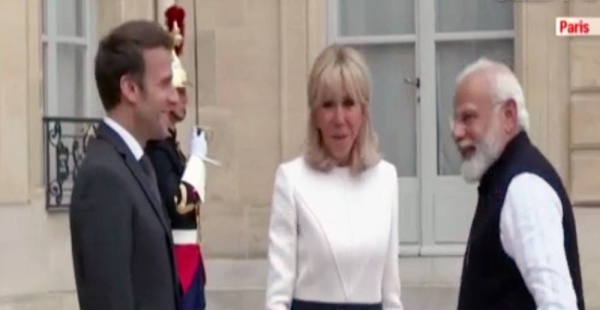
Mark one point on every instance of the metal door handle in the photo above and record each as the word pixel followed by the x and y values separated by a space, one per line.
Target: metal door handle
pixel 416 82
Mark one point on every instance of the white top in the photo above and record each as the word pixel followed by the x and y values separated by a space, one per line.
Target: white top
pixel 133 144
pixel 332 237
pixel 531 232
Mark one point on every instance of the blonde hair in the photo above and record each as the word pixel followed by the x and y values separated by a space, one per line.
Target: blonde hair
pixel 341 65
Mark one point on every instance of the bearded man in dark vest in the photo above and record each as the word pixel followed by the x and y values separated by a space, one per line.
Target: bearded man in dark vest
pixel 522 249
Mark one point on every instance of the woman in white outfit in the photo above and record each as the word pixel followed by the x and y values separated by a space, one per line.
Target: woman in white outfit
pixel 333 235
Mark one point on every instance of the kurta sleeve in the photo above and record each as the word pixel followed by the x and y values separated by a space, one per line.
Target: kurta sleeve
pixel 282 245
pixel 391 276
pixel 532 235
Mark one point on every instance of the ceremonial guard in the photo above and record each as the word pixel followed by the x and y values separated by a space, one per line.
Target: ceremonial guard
pixel 181 180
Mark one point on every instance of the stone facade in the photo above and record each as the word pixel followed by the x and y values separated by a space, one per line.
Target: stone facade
pixel 253 57
pixel 35 265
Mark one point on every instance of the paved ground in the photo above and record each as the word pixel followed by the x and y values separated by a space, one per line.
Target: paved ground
pixel 413 299
pixel 423 298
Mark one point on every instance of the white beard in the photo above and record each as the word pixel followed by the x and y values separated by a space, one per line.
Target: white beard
pixel 487 152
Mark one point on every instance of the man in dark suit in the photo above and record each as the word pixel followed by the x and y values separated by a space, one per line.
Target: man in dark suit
pixel 121 241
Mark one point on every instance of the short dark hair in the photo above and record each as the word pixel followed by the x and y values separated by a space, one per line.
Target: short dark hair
pixel 121 53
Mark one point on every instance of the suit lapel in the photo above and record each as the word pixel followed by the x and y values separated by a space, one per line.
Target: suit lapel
pixel 106 133
pixel 142 178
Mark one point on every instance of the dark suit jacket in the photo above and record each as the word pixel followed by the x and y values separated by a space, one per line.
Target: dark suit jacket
pixel 121 241
pixel 169 166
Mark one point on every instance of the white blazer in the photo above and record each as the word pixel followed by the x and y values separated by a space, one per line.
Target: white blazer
pixel 333 237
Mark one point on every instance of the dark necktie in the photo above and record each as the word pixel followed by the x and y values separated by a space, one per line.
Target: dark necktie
pixel 149 171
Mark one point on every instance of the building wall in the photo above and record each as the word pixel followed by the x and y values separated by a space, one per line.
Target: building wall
pixel 561 79
pixel 584 144
pixel 252 61
pixel 35 265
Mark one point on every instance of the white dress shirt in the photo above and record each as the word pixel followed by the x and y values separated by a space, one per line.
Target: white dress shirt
pixel 332 237
pixel 133 144
pixel 531 233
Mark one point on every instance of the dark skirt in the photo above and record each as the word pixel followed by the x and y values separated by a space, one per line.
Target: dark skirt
pixel 314 305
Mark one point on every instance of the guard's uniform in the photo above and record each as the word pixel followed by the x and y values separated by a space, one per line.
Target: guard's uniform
pixel 182 204
pixel 181 199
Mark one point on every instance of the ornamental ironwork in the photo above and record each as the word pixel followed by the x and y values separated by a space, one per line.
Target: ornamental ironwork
pixel 65 140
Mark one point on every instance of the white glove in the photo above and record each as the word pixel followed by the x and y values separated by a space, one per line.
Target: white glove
pixel 198 145
pixel 195 175
pixel 195 169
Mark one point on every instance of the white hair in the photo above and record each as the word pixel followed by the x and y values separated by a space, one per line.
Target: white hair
pixel 504 85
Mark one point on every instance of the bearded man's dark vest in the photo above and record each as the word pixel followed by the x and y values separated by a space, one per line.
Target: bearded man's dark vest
pixel 491 279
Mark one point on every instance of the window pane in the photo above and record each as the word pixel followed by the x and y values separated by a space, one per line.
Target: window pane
pixel 393 105
pixel 452 57
pixel 70 18
pixel 44 16
pixel 473 15
pixel 71 80
pixel 376 17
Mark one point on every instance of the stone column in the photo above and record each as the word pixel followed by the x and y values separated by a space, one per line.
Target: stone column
pixel 20 26
pixel 584 146
pixel 542 66
pixel 114 12
pixel 585 111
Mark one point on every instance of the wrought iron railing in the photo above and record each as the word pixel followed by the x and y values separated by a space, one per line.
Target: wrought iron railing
pixel 65 140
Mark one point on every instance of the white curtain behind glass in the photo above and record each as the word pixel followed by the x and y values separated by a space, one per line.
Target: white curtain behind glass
pixel 71 80
pixel 394 104
pixel 66 31
pixel 70 18
pixel 470 15
pixel 376 17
